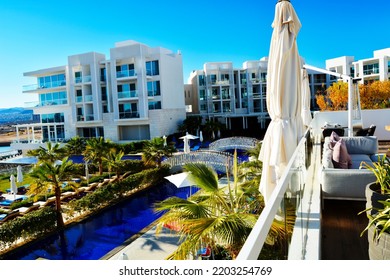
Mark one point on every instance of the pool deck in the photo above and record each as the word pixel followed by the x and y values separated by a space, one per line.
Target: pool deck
pixel 148 246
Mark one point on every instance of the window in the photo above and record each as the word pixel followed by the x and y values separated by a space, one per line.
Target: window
pixel 202 94
pixel 103 74
pixel 154 88
pixel 152 68
pixel 126 91
pixel 128 110
pixel 201 80
pixel 125 70
pixel 371 69
pixel 52 81
pixel 154 105
pixel 52 118
pixel 77 77
pixel 53 98
pixel 213 79
pixel 104 93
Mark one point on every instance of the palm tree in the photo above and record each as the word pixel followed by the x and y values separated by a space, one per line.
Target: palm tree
pixel 95 150
pixel 249 172
pixel 114 161
pixel 49 154
pixel 75 146
pixel 154 151
pixel 50 175
pixel 215 215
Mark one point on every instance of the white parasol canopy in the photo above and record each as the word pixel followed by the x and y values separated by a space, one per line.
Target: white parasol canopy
pixel 306 98
pixel 201 136
pixel 19 176
pixel 186 138
pixel 283 98
pixel 181 180
pixel 14 188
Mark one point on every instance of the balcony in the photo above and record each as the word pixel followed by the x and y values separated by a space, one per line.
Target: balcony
pixel 332 232
pixel 126 74
pixel 83 79
pixel 43 86
pixel 128 115
pixel 128 94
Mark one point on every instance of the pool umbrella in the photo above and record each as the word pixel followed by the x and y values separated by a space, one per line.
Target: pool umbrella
pixel 201 136
pixel 186 138
pixel 306 98
pixel 14 188
pixel 19 176
pixel 283 98
pixel 181 180
pixel 165 141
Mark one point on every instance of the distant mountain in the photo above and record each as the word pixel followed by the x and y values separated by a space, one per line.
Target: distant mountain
pixel 15 115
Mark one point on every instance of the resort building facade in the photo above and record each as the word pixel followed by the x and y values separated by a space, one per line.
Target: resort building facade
pixel 237 96
pixel 136 94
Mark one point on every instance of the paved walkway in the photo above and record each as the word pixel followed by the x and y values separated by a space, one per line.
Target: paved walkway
pixel 148 246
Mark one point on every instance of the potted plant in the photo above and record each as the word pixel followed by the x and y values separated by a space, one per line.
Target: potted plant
pixel 378 210
pixel 380 189
pixel 378 230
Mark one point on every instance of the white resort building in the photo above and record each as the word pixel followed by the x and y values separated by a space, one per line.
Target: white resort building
pixel 136 94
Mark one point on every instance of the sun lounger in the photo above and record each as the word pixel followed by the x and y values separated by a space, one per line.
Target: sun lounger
pixel 9 216
pixel 66 196
pixel 50 201
pixel 25 210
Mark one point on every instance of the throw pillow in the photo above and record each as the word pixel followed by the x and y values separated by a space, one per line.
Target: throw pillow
pixel 333 138
pixel 341 157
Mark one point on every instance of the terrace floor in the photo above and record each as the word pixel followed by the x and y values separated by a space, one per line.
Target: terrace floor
pixel 341 227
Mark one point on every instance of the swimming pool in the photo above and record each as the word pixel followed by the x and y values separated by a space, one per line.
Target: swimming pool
pixel 98 235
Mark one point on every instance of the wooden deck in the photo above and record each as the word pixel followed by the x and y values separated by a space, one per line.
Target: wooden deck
pixel 341 228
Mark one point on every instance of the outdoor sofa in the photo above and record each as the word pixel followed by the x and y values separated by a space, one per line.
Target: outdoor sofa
pixel 348 183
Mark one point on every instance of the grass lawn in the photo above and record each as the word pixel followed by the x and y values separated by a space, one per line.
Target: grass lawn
pixel 5 182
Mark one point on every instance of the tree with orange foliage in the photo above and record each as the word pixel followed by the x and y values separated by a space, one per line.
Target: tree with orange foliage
pixel 335 97
pixel 375 95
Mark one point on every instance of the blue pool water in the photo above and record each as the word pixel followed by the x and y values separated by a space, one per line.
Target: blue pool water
pixel 98 235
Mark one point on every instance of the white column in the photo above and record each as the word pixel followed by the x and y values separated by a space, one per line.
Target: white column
pixel 17 134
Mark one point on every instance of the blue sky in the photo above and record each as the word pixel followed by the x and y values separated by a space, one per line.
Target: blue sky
pixel 42 34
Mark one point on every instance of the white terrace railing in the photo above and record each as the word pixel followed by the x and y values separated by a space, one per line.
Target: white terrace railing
pixel 218 160
pixel 231 143
pixel 295 188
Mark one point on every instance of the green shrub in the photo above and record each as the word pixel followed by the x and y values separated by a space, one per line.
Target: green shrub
pixel 31 225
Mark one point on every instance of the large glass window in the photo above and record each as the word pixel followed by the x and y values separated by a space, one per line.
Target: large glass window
pixel 52 81
pixel 53 98
pixel 125 70
pixel 126 91
pixel 371 69
pixel 202 94
pixel 154 105
pixel 201 80
pixel 128 110
pixel 154 88
pixel 103 74
pixel 152 68
pixel 52 118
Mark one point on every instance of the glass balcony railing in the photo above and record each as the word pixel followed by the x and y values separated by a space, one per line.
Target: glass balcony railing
pixel 128 115
pixel 285 206
pixel 79 99
pixel 44 85
pixel 83 79
pixel 127 94
pixel 126 73
pixel 88 98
